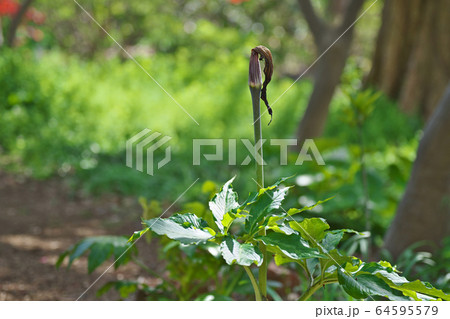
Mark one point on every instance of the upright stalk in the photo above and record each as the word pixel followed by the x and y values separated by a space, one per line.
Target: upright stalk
pixel 254 283
pixel 258 91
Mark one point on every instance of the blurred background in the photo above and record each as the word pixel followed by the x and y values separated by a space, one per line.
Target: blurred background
pixel 376 103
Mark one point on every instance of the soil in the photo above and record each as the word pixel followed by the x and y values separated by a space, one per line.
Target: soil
pixel 39 219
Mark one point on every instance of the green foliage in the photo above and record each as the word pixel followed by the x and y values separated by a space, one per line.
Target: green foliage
pixel 193 252
pixel 291 246
pixel 101 249
pixel 306 240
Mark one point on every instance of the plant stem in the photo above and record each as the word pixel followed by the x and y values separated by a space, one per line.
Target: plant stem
pixel 312 289
pixel 256 93
pixel 254 283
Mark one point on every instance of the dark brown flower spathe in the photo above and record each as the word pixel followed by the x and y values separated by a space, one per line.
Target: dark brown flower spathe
pixel 259 53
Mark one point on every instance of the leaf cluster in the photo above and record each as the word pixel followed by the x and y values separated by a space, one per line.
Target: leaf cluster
pixel 289 238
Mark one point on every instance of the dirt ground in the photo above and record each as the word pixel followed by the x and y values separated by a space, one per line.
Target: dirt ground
pixel 39 220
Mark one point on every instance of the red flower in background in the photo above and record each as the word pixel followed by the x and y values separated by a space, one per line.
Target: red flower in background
pixel 11 7
pixel 237 1
pixel 8 7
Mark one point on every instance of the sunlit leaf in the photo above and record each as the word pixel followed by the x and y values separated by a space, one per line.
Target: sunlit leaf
pixel 269 199
pixel 186 228
pixel 312 229
pixel 241 254
pixel 223 202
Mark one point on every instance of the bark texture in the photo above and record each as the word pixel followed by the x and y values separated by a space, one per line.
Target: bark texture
pixel 424 212
pixel 329 67
pixel 411 62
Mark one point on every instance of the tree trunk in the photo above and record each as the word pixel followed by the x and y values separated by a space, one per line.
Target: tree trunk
pixel 328 68
pixel 326 79
pixel 411 62
pixel 424 212
pixel 15 22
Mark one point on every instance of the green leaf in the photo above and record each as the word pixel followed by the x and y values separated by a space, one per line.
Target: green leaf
pixel 137 234
pixel 189 220
pixel 121 254
pixel 274 185
pixel 278 197
pixel 332 239
pixel 241 254
pixel 268 200
pixel 417 290
pixel 99 253
pixel 283 228
pixel 350 285
pixel 101 248
pixel 61 258
pixel 384 269
pixel 222 203
pixel 312 229
pixel 334 258
pixel 281 259
pixel 311 265
pixel 274 220
pixel 292 246
pixel 366 285
pixel 230 217
pixel 255 195
pixel 276 223
pixel 252 197
pixel 81 248
pixel 186 228
pixel 294 211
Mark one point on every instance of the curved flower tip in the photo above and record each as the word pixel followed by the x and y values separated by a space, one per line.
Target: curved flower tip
pixel 261 52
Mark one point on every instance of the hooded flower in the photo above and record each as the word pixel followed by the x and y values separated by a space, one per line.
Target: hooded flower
pixel 254 78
